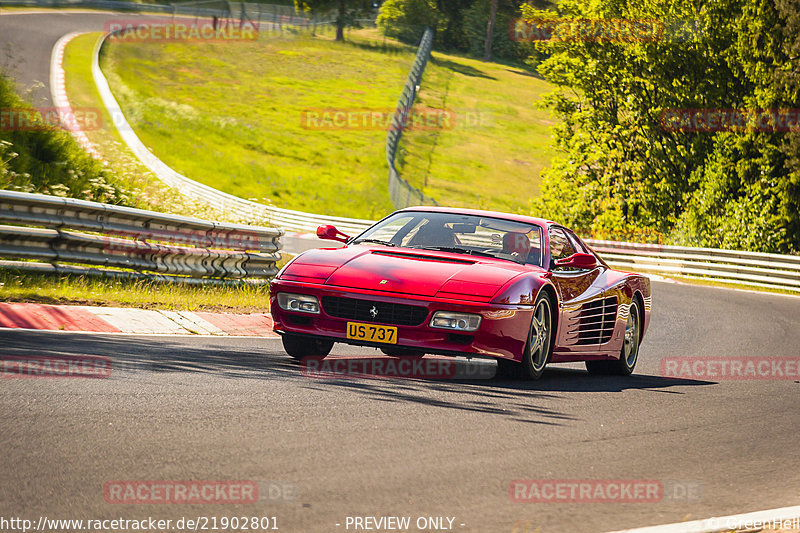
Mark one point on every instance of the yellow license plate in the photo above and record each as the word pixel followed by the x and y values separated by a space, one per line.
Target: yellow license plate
pixel 371 332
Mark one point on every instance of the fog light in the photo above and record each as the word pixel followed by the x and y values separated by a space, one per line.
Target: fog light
pixel 299 303
pixel 455 321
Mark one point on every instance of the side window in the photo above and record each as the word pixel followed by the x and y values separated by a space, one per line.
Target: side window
pixel 576 242
pixel 560 244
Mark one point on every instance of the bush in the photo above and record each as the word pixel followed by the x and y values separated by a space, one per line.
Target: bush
pixel 48 160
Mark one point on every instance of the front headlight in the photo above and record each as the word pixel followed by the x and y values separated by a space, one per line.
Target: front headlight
pixel 455 321
pixel 300 303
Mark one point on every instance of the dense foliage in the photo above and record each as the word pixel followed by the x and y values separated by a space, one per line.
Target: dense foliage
pixel 621 172
pixel 461 25
pixel 344 11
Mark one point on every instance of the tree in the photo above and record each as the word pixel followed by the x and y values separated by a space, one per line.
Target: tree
pixel 487 54
pixel 620 170
pixel 407 19
pixel 787 80
pixel 345 10
pixel 482 35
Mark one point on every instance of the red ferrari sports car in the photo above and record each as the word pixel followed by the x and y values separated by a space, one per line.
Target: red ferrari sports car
pixel 430 280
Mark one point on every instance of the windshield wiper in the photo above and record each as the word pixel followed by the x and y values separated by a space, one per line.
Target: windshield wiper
pixel 452 249
pixel 483 254
pixel 455 250
pixel 375 241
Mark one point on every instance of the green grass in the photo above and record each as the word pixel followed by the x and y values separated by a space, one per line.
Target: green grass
pixel 17 286
pixel 37 156
pixel 500 142
pixel 230 115
pixel 151 193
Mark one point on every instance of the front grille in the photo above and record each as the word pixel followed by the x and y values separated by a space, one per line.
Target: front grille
pixel 595 323
pixel 388 313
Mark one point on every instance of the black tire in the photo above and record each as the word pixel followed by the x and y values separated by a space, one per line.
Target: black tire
pixel 630 348
pixel 299 347
pixel 397 351
pixel 539 346
pixel 507 369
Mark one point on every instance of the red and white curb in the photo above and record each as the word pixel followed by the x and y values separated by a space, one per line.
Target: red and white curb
pixel 783 519
pixel 58 92
pixel 132 321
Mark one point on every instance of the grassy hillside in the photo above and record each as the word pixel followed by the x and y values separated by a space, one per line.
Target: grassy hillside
pixel 232 115
pixel 150 192
pixel 499 142
pixel 37 156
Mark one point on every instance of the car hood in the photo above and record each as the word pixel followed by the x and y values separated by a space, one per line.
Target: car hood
pixel 405 271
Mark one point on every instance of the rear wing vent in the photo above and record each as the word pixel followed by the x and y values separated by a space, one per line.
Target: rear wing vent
pixel 593 323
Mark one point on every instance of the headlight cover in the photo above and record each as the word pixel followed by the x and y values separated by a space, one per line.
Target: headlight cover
pixel 455 321
pixel 299 303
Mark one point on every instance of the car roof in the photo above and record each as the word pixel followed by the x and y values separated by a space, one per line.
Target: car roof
pixel 478 212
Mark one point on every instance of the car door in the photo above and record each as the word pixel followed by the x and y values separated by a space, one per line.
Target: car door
pixel 584 313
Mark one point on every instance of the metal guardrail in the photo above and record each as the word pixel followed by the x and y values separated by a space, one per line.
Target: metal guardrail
pixel 746 268
pixel 111 5
pixel 148 244
pixel 261 16
pixel 266 17
pixel 192 8
pixel 201 251
pixel 400 191
pixel 730 266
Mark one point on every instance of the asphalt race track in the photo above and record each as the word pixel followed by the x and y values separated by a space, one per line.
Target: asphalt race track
pixel 26 41
pixel 204 408
pixel 200 408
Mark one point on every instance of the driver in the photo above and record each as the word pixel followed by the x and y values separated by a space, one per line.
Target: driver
pixel 517 244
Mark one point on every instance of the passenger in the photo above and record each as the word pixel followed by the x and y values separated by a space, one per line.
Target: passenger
pixel 517 245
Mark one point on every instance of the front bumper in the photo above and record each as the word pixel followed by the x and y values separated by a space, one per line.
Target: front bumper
pixel 502 333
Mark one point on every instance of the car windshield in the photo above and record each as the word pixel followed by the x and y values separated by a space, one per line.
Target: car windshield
pixel 458 233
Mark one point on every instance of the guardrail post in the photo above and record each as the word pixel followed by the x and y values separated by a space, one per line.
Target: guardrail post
pixel 400 121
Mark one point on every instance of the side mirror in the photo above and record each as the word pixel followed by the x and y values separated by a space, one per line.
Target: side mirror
pixel 579 261
pixel 330 233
